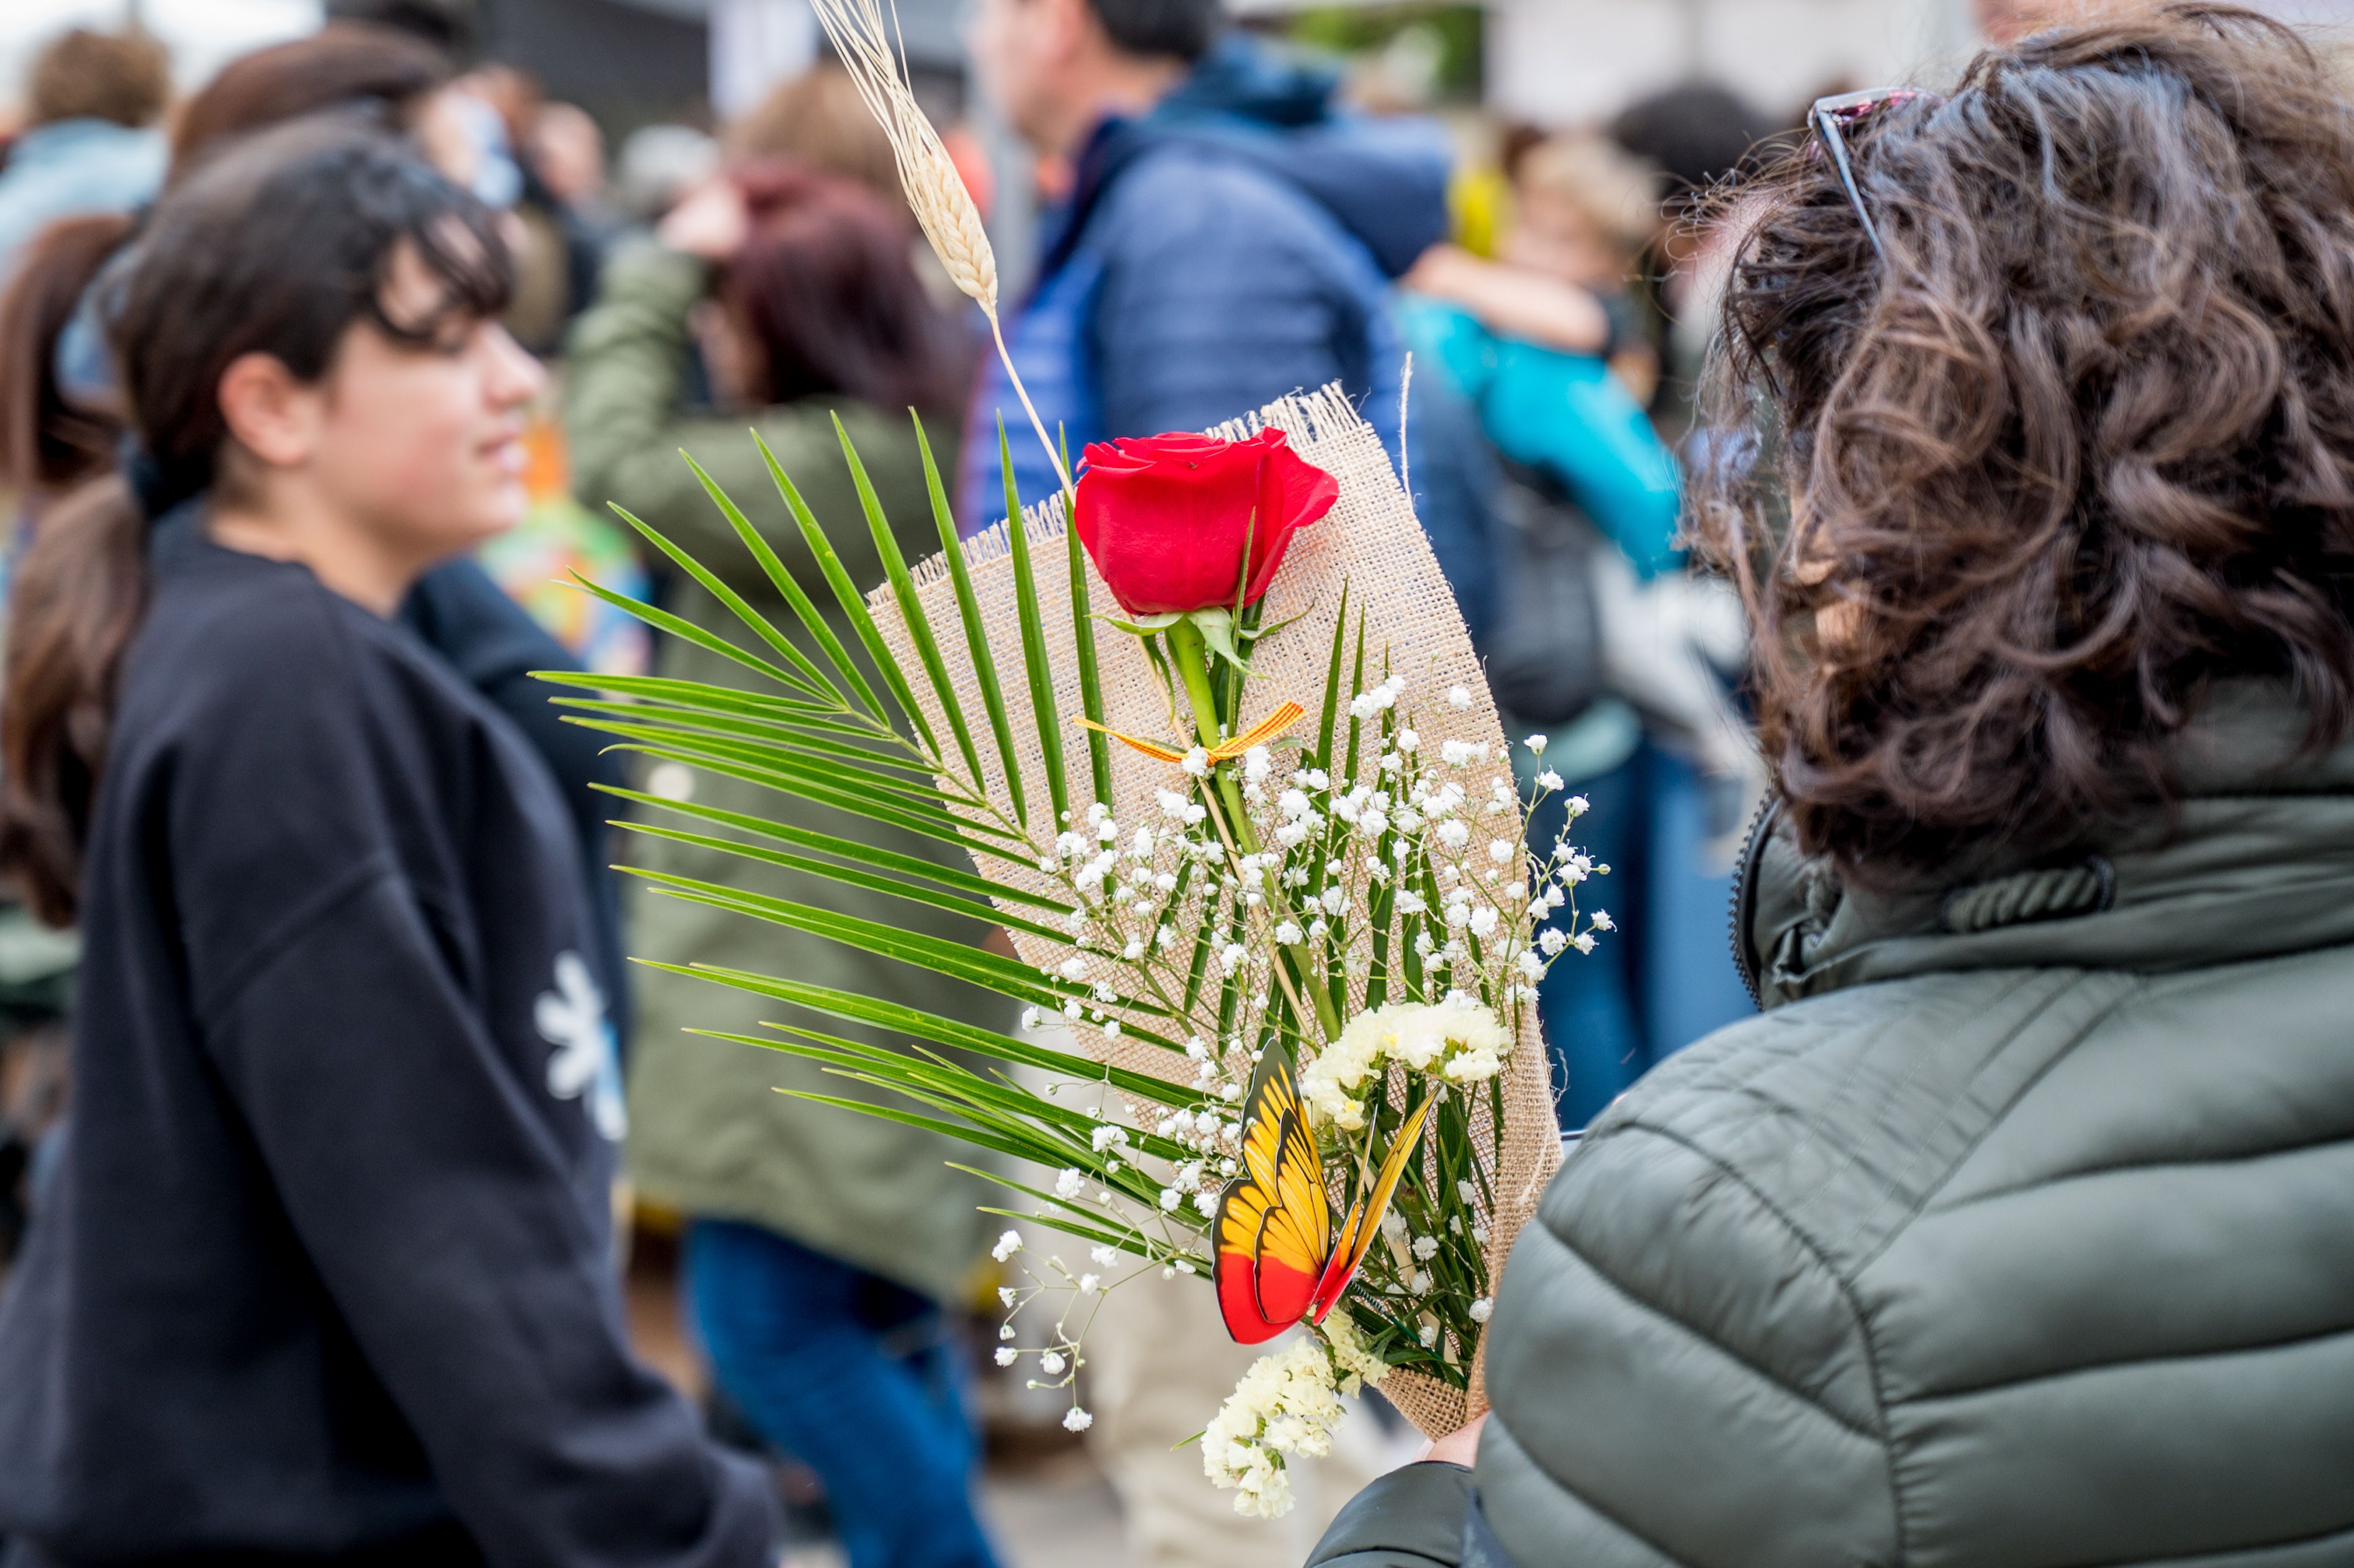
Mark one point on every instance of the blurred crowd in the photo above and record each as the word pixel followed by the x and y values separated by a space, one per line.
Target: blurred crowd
pixel 1223 226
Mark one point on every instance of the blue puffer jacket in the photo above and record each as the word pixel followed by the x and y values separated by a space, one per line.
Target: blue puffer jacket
pixel 1233 246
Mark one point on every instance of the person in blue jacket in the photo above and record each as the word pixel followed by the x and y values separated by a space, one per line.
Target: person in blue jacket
pixel 1229 237
pixel 324 1274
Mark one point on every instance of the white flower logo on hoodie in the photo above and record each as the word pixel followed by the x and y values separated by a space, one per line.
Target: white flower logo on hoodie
pixel 572 1018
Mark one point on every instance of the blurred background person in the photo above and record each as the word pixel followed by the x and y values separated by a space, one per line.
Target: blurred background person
pixel 89 142
pixel 323 1273
pixel 1226 235
pixel 818 1248
pixel 60 409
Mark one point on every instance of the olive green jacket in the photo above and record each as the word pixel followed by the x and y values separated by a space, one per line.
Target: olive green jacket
pixel 2016 1232
pixel 707 1134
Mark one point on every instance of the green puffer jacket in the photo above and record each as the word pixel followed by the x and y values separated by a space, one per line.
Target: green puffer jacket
pixel 2018 1232
pixel 708 1135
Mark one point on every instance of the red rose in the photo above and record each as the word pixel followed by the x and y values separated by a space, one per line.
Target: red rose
pixel 1164 518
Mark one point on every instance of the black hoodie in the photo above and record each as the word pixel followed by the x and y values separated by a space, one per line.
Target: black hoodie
pixel 326 1267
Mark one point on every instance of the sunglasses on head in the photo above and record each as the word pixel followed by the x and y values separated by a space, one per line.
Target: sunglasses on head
pixel 1834 120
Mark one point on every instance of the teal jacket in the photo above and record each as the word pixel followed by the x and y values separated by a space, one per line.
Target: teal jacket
pixel 1566 416
pixel 2016 1232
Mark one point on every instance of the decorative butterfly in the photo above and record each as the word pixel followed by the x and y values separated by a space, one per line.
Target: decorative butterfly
pixel 1277 1260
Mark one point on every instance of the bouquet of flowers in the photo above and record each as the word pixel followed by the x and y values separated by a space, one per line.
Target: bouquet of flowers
pixel 1211 730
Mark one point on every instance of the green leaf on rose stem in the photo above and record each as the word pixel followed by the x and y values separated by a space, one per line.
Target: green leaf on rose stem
pixel 976 633
pixel 1034 665
pixel 1083 638
pixel 1167 676
pixel 846 594
pixel 1242 577
pixel 1143 625
pixel 911 612
pixel 1217 629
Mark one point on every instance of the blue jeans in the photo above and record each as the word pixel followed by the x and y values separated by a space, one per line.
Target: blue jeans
pixel 850 1374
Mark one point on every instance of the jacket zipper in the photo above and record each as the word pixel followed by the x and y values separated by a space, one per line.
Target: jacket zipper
pixel 1752 844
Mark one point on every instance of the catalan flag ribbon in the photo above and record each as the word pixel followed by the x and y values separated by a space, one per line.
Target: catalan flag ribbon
pixel 1267 729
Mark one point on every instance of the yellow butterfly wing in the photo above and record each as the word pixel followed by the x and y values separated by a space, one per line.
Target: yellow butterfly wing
pixel 1364 1221
pixel 1274 1230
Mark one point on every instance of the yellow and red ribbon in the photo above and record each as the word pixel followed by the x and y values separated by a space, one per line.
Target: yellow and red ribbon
pixel 1267 729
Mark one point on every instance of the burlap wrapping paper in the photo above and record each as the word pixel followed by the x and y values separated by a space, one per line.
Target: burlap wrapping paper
pixel 1374 542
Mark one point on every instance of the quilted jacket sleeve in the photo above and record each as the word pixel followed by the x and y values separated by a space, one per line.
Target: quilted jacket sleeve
pixel 1680 1382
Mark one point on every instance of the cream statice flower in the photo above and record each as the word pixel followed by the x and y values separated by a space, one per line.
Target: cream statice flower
pixel 1355 1365
pixel 1458 1038
pixel 1288 1405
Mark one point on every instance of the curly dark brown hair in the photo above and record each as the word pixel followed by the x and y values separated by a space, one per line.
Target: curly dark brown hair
pixel 2081 447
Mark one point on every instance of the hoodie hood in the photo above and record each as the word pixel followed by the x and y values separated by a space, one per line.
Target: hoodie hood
pixel 1383 181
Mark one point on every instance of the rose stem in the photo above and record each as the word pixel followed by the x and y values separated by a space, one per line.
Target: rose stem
pixel 1191 656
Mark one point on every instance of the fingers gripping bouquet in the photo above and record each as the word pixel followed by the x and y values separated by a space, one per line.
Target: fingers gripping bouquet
pixel 1228 776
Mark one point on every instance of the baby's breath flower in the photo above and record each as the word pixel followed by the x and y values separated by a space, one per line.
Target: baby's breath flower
pixel 1482 1310
pixel 1007 1245
pixel 1536 745
pixel 1050 1363
pixel 1457 697
pixel 1006 1355
pixel 1078 1420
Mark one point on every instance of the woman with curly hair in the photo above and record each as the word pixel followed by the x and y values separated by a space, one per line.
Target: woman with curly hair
pixel 2016 1231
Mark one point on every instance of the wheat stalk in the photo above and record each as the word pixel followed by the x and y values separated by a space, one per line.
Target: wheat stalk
pixel 936 192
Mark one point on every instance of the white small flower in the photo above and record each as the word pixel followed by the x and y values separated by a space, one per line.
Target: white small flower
pixel 1170 1200
pixel 1069 1182
pixel 1198 763
pixel 1453 834
pixel 1258 764
pixel 1420 1284
pixel 1050 1363
pixel 1426 1248
pixel 1005 1295
pixel 1552 941
pixel 1106 1255
pixel 1578 806
pixel 1410 902
pixel 1466 1191
pixel 1185 1266
pixel 1427 1334
pixel 1111 1028
pixel 1108 1136
pixel 1006 1355
pixel 1548 781
pixel 1583 942
pixel 1530 963
pixel 1006 1332
pixel 1007 1245
pixel 1088 1285
pixel 1207 1202
pixel 1456 697
pixel 1482 1310
pixel 1334 899
pixel 1600 920
pixel 1078 1420
pixel 1536 745
pixel 1288 935
pixel 1408 742
pixel 1501 850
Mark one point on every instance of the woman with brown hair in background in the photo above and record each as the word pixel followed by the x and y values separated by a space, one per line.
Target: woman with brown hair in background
pixel 819 1246
pixel 2016 1233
